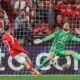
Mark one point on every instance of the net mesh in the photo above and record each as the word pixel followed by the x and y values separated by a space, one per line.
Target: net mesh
pixel 26 32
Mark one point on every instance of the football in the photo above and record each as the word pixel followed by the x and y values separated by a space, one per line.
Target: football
pixel 52 62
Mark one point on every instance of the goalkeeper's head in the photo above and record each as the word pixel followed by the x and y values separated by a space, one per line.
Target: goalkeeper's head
pixel 66 27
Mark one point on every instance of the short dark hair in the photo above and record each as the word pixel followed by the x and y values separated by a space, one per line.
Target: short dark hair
pixel 6 27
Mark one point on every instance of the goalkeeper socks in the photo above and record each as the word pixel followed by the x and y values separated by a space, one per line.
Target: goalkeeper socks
pixel 76 56
pixel 44 62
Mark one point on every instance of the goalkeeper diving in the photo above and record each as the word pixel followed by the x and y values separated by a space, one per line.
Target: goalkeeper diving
pixel 61 37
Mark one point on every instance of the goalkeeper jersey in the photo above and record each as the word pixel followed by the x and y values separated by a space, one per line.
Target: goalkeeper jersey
pixel 61 38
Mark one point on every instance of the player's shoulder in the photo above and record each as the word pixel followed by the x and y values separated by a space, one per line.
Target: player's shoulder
pixel 5 36
pixel 70 35
pixel 58 31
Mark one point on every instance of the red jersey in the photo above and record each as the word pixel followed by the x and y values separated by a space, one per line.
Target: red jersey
pixel 69 13
pixel 61 7
pixel 76 7
pixel 12 45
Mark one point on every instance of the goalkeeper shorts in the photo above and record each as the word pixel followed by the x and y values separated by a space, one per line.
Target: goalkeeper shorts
pixel 21 58
pixel 59 53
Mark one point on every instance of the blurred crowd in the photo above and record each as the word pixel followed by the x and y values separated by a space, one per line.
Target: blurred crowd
pixel 36 18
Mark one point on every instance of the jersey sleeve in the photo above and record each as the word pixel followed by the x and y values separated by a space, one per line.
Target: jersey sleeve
pixel 49 37
pixel 74 38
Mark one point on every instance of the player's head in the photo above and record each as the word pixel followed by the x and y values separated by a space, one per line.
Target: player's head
pixel 7 28
pixel 69 6
pixel 66 27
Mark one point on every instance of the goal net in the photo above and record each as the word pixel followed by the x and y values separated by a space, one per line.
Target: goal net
pixel 39 21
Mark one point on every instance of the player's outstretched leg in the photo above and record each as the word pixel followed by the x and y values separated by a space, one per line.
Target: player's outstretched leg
pixel 31 69
pixel 73 54
pixel 46 61
pixel 29 60
pixel 37 72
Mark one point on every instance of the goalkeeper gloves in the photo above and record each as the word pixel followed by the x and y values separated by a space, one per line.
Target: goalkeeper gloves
pixel 37 41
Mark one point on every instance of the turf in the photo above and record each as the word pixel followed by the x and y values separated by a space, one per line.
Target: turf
pixel 40 78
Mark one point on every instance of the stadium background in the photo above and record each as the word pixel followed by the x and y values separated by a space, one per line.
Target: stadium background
pixel 36 19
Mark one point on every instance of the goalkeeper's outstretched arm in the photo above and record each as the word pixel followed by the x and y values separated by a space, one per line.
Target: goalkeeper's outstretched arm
pixel 47 38
pixel 76 39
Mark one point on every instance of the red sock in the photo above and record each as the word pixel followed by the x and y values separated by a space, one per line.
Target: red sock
pixel 31 65
pixel 31 68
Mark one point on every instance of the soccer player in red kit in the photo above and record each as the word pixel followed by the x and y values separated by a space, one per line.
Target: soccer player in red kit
pixel 69 11
pixel 16 51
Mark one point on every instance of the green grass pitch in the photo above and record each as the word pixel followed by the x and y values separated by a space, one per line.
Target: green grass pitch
pixel 44 77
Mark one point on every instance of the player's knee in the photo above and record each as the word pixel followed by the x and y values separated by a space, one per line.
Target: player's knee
pixel 70 52
pixel 50 57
